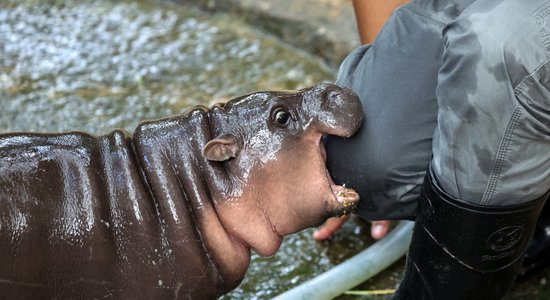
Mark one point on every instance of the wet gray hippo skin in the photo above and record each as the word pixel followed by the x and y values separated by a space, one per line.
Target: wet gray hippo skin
pixel 173 212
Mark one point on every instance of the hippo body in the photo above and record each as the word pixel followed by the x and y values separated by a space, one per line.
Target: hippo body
pixel 173 211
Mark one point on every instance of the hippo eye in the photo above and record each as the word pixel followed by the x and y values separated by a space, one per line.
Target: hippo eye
pixel 281 117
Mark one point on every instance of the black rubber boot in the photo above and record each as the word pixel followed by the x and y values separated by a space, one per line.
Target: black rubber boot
pixel 537 255
pixel 464 251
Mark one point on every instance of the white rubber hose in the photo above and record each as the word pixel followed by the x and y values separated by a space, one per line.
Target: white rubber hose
pixel 355 270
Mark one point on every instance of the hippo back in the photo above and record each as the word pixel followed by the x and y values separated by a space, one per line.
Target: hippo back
pixel 80 217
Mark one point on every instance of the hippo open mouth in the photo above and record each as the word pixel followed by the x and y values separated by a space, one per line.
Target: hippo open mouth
pixel 346 198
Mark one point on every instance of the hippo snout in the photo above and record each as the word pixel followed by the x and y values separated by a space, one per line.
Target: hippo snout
pixel 338 113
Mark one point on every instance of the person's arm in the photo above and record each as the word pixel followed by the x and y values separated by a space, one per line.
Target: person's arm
pixel 371 16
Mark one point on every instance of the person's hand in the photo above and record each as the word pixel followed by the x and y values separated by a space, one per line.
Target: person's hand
pixel 328 228
pixel 378 230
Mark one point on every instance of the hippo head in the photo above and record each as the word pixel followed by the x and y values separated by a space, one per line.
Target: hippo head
pixel 271 146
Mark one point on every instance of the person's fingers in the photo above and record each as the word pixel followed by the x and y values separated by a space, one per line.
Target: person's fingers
pixel 380 229
pixel 329 228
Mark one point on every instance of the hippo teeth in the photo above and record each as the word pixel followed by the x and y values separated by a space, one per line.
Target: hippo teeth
pixel 346 197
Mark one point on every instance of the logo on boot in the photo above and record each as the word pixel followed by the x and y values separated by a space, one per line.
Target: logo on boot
pixel 505 238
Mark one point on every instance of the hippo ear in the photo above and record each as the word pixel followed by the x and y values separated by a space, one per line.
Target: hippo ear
pixel 221 148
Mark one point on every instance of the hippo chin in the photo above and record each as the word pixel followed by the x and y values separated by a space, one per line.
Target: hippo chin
pixel 174 211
